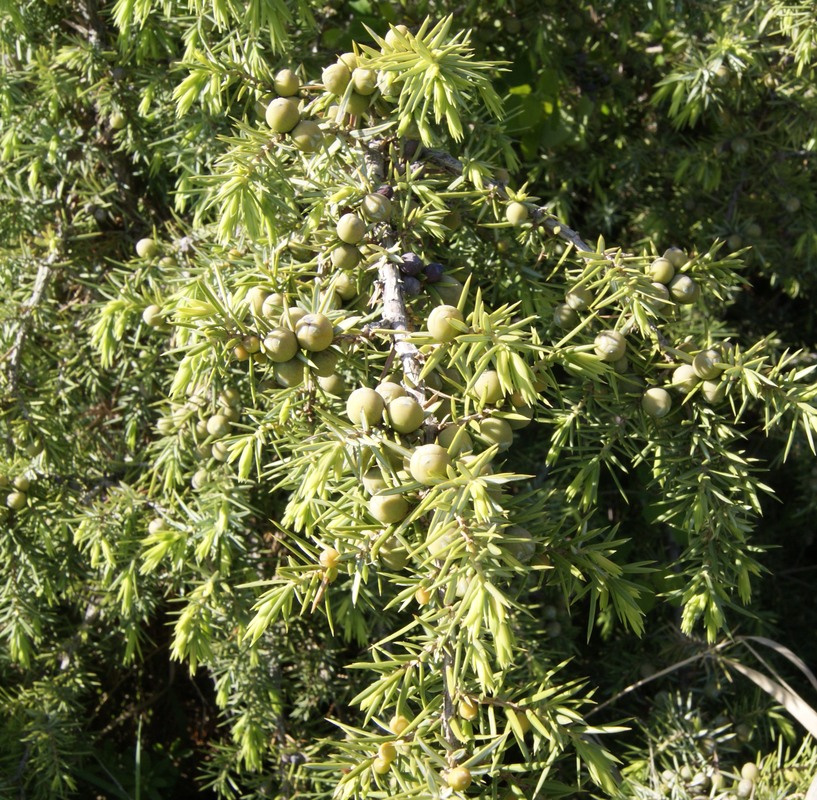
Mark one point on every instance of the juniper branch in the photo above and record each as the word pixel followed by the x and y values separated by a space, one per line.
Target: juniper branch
pixel 541 215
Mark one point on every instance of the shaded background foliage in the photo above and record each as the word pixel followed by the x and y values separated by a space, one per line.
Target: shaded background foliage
pixel 642 122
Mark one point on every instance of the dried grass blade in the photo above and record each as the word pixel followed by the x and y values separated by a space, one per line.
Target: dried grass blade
pixel 789 699
pixel 786 653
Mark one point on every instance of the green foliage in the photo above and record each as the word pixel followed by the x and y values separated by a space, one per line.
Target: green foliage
pixel 218 574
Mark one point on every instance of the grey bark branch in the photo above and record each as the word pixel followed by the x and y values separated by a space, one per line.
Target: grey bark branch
pixel 556 228
pixel 395 315
pixel 40 282
pixel 395 311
